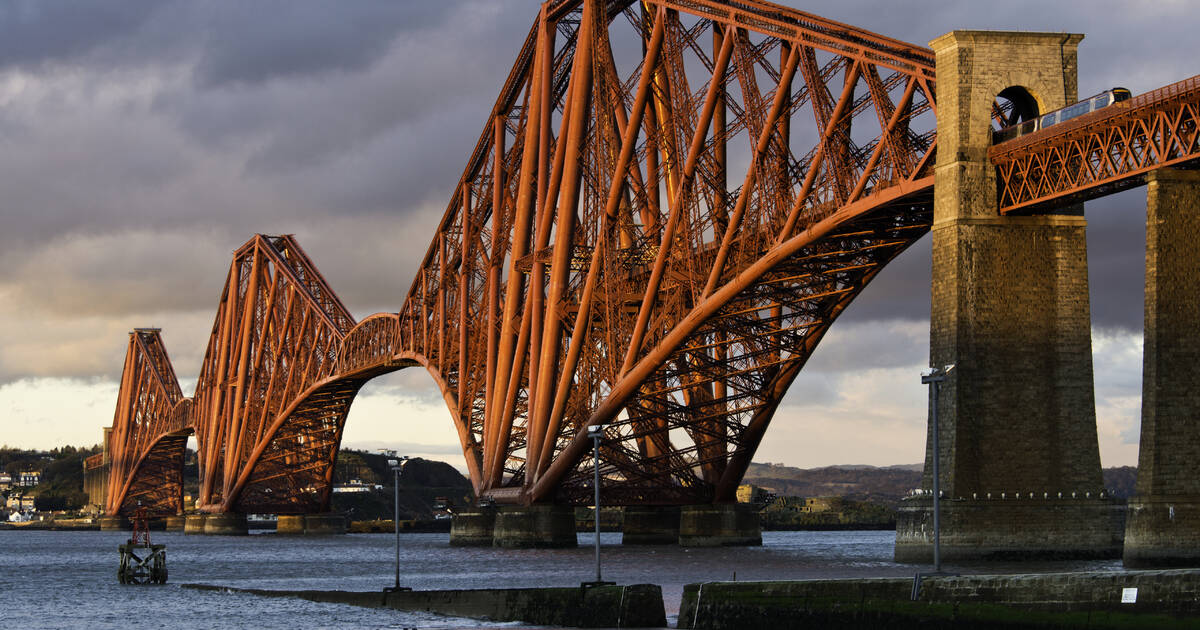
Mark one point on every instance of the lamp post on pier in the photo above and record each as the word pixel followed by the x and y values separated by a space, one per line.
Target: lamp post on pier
pixel 397 468
pixel 596 432
pixel 934 377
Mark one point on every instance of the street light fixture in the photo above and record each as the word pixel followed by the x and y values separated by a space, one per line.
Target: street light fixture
pixel 596 432
pixel 934 377
pixel 397 468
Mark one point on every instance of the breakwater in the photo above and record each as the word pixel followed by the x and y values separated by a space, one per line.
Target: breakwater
pixel 1109 599
pixel 631 606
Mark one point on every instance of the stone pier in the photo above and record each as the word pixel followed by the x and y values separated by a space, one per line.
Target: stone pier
pixel 326 524
pixel 115 524
pixel 1010 310
pixel 290 525
pixel 473 528
pixel 535 526
pixel 650 525
pixel 194 523
pixel 720 525
pixel 226 524
pixel 175 523
pixel 1163 526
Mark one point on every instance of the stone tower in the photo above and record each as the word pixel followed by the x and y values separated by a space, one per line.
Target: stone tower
pixel 1164 518
pixel 1019 458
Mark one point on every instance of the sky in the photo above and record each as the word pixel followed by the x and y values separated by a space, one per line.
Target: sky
pixel 141 142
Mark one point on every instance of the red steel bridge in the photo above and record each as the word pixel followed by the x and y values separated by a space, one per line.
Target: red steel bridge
pixel 669 205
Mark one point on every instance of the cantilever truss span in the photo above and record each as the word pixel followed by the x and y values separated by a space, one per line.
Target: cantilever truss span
pixel 670 203
pixel 1100 153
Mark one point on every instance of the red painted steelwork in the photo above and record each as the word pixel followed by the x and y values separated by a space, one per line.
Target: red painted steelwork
pixel 652 240
pixel 1102 152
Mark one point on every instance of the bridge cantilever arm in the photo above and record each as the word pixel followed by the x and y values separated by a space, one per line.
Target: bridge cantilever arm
pixel 625 388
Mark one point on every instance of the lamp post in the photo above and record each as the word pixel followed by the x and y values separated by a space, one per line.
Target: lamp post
pixel 397 468
pixel 934 377
pixel 596 432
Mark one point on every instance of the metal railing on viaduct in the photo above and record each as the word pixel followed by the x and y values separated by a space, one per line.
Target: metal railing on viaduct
pixel 654 242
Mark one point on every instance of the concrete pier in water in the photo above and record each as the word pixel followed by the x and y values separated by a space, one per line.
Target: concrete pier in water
pixel 535 526
pixel 115 524
pixel 720 525
pixel 327 524
pixel 194 523
pixel 227 524
pixel 473 528
pixel 650 525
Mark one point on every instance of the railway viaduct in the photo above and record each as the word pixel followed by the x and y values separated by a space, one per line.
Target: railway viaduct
pixel 657 244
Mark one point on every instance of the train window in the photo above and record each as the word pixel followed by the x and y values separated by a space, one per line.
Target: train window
pixel 1049 119
pixel 1077 109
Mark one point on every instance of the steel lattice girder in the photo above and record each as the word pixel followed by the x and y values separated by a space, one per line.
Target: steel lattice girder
pixel 597 214
pixel 1101 152
pixel 150 405
pixel 656 242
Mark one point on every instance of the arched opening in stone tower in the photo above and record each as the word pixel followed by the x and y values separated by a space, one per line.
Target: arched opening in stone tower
pixel 1014 105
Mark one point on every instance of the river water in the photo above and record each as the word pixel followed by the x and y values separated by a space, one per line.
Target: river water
pixel 68 579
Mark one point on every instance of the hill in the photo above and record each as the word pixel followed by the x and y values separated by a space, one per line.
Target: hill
pixel 885 485
pixel 421 483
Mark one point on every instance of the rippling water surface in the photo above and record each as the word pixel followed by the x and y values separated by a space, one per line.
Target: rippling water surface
pixel 68 579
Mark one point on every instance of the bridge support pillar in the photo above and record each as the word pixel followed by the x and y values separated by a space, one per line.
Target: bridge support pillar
pixel 1163 527
pixel 175 523
pixel 115 524
pixel 326 524
pixel 194 523
pixel 650 525
pixel 226 524
pixel 290 524
pixel 535 526
pixel 1010 311
pixel 473 528
pixel 720 525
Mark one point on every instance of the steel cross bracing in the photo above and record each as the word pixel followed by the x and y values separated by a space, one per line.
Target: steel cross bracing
pixel 656 241
pixel 1102 152
pixel 669 205
pixel 151 412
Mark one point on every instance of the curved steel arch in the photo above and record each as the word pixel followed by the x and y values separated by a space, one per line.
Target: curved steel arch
pixel 291 469
pixel 597 213
pixel 584 266
pixel 156 481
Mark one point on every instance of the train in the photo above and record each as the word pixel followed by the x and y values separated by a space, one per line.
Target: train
pixel 1099 101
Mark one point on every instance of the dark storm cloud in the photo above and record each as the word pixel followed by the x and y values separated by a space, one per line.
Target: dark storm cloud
pixel 145 141
pixel 144 144
pixel 1137 45
pixel 37 32
pixel 253 42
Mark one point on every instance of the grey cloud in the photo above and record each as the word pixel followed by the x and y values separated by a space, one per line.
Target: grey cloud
pixel 255 42
pixel 899 292
pixel 1117 260
pixel 855 346
pixel 186 127
pixel 40 32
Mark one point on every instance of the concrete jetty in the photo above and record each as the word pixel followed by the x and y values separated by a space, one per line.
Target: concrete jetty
pixel 1133 599
pixel 632 606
